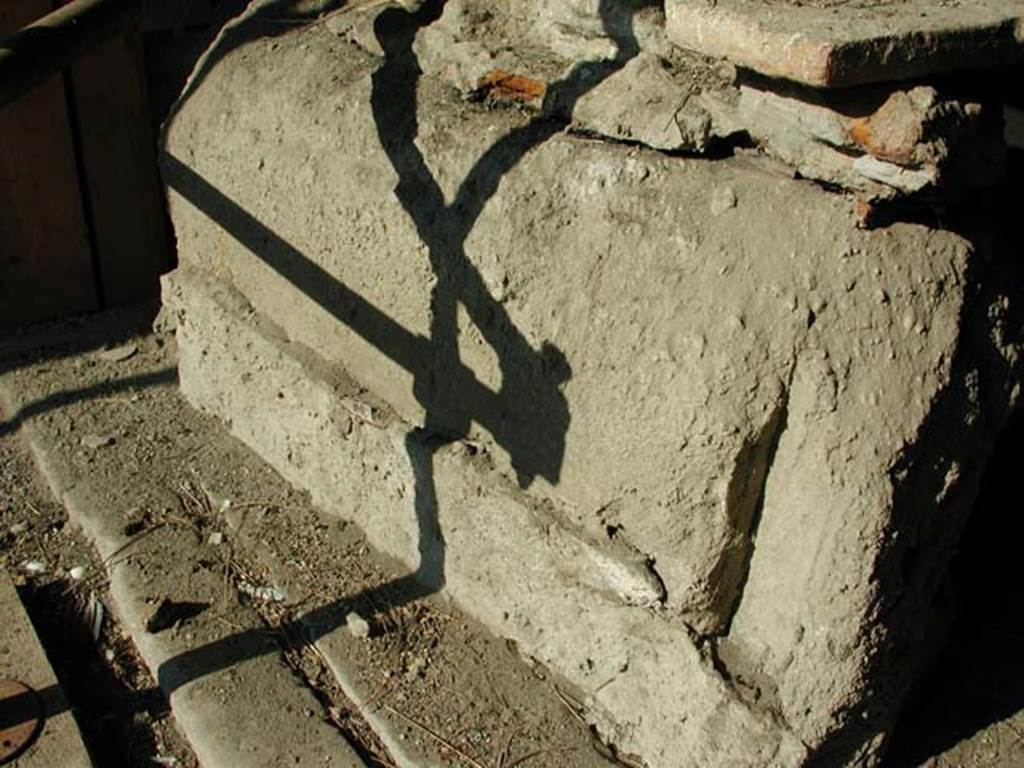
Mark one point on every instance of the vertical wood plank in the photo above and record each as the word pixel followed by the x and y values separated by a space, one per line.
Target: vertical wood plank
pixel 45 260
pixel 119 157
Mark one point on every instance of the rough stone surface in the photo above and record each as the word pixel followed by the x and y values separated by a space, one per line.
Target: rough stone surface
pixel 834 43
pixel 651 364
pixel 642 89
pixel 878 141
pixel 882 142
pixel 517 570
pixel 22 658
pixel 643 102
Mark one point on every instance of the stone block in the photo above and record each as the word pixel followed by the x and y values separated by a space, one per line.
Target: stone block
pixel 696 374
pixel 586 612
pixel 23 659
pixel 835 43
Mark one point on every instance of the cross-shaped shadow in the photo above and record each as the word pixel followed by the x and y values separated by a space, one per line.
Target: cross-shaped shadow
pixel 528 416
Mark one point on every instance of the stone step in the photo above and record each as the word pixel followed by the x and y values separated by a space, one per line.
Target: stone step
pixel 541 370
pixel 260 664
pixel 55 741
pixel 233 699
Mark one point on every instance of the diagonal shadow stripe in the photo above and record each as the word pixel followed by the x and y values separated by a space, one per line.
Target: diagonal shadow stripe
pixel 528 417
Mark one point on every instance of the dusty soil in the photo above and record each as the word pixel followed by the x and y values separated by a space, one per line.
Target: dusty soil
pixel 446 686
pixel 110 690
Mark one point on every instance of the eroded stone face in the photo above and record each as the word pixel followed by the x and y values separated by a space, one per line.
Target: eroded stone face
pixel 693 384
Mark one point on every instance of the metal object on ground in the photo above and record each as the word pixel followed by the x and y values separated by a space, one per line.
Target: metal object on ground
pixel 21 718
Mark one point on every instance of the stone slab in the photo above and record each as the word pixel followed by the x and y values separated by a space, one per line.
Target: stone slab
pixel 424 658
pixel 23 658
pixel 833 43
pixel 901 142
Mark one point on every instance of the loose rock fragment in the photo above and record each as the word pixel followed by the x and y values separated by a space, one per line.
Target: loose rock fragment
pixel 94 442
pixel 261 593
pixel 914 139
pixel 357 625
pixel 119 354
pixel 647 103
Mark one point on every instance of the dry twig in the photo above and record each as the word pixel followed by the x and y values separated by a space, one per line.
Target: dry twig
pixel 435 736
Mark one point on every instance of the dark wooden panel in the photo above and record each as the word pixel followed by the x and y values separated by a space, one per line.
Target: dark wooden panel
pixel 119 157
pixel 45 263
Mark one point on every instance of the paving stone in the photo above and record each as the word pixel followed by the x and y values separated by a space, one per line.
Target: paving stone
pixel 22 658
pixel 834 43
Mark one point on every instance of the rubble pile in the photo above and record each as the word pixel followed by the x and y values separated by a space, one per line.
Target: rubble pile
pixel 858 95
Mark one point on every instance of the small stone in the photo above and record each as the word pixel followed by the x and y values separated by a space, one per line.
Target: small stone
pixel 357 625
pixel 77 572
pixel 94 442
pixel 119 354
pixel 416 668
pixel 216 538
pixel 34 567
pixel 261 593
pixel 722 200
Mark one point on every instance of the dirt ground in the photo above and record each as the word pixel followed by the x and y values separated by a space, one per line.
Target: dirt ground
pixel 110 689
pixel 447 687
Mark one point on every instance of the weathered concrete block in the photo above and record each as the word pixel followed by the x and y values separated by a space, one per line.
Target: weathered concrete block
pixel 674 359
pixel 835 44
pixel 586 613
